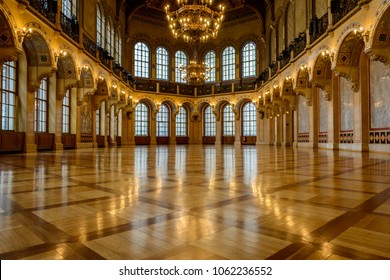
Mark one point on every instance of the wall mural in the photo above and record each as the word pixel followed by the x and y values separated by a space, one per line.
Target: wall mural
pixel 323 112
pixel 86 115
pixel 346 105
pixel 380 97
pixel 303 115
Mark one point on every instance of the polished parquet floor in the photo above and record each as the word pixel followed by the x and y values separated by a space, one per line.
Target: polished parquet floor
pixel 195 202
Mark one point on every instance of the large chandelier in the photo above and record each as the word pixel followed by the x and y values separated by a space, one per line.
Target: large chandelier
pixel 198 20
pixel 195 73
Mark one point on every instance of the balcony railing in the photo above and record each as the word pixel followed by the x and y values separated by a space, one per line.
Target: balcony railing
pixel 48 9
pixel 89 46
pixel 341 8
pixel 71 27
pixel 319 27
pixel 299 44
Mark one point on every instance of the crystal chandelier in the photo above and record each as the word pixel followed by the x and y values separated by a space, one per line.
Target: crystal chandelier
pixel 198 20
pixel 195 73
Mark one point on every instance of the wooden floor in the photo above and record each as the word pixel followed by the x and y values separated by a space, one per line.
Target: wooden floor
pixel 195 202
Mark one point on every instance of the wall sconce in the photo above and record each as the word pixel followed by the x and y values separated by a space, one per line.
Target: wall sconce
pixel 101 78
pixel 84 68
pixel 267 92
pixel 327 54
pixel 24 33
pixel 358 31
pixel 276 86
pixel 114 86
pixel 303 67
pixel 260 97
pixel 288 79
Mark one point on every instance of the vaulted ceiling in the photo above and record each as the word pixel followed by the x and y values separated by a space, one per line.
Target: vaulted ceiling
pixel 258 6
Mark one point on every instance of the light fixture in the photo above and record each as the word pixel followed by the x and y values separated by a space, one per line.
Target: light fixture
pixel 84 68
pixel 195 19
pixel 195 73
pixel 24 33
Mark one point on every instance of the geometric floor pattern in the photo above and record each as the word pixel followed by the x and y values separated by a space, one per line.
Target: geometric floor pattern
pixel 195 203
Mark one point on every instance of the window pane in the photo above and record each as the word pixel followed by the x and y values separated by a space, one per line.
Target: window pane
pixel 7 98
pixel 209 122
pixel 249 60
pixel 180 60
pixel 228 64
pixel 141 120
pixel 181 122
pixel 228 121
pixel 162 66
pixel 141 60
pixel 162 121
pixel 66 112
pixel 210 62
pixel 41 103
pixel 249 121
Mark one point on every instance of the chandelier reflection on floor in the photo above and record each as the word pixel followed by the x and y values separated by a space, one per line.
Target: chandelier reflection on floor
pixel 195 20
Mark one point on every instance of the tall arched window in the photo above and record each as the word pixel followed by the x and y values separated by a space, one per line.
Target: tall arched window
pixel 8 94
pixel 162 64
pixel 228 64
pixel 69 8
pixel 141 120
pixel 162 121
pixel 249 60
pixel 66 112
pixel 110 38
pixel 209 122
pixel 100 26
pixel 181 122
pixel 249 119
pixel 210 62
pixel 97 121
pixel 141 60
pixel 180 60
pixel 41 107
pixel 118 47
pixel 228 121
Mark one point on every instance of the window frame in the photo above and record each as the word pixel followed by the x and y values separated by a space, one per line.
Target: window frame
pixel 141 60
pixel 249 119
pixel 100 26
pixel 210 59
pixel 162 121
pixel 182 122
pixel 248 60
pixel 69 8
pixel 228 64
pixel 41 124
pixel 228 121
pixel 141 120
pixel 162 70
pixel 181 59
pixel 209 122
pixel 8 87
pixel 66 111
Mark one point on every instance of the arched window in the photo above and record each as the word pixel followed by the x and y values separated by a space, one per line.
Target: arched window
pixel 181 122
pixel 249 60
pixel 180 60
pixel 209 122
pixel 162 64
pixel 110 38
pixel 41 107
pixel 162 121
pixel 118 47
pixel 141 60
pixel 228 64
pixel 249 119
pixel 66 112
pixel 210 62
pixel 100 27
pixel 69 8
pixel 228 121
pixel 141 120
pixel 8 94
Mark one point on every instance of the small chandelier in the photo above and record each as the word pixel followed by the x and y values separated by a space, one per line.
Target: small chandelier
pixel 196 73
pixel 197 21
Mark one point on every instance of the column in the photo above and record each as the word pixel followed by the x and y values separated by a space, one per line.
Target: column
pixel 314 118
pixel 278 130
pixel 287 129
pixel 334 114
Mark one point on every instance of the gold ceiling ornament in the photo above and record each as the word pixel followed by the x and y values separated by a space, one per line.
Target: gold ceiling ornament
pixel 195 73
pixel 195 20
